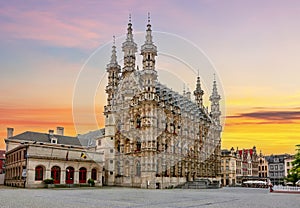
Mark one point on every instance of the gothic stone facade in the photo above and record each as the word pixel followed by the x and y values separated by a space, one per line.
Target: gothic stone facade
pixel 155 137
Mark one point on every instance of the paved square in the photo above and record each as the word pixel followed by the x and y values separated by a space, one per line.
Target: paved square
pixel 129 197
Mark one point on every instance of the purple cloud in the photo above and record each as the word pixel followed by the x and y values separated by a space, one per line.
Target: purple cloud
pixel 271 115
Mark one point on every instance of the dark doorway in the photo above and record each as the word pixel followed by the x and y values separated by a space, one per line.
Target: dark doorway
pixel 69 175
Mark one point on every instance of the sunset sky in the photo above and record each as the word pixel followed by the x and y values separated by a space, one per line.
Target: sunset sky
pixel 53 56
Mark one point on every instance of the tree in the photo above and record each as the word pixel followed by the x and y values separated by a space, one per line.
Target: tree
pixel 294 173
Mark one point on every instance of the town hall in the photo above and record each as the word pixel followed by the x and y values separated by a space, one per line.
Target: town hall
pixel 156 137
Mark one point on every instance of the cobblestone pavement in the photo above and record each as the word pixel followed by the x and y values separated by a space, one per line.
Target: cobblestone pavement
pixel 127 197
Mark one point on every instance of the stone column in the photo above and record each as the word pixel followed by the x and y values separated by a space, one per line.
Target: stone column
pixel 63 176
pixel 76 176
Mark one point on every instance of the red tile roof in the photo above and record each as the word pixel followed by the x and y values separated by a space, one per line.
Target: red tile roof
pixel 246 152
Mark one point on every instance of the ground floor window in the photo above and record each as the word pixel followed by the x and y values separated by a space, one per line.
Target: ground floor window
pixel 39 173
pixel 55 174
pixel 82 175
pixel 69 175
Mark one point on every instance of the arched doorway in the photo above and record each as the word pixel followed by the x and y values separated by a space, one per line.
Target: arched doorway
pixel 39 173
pixel 55 174
pixel 69 175
pixel 82 175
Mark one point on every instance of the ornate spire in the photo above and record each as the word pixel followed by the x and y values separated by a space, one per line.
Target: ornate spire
pixel 149 31
pixel 129 30
pixel 149 50
pixel 188 93
pixel 113 59
pixel 113 69
pixel 198 93
pixel 215 98
pixel 129 48
pixel 215 95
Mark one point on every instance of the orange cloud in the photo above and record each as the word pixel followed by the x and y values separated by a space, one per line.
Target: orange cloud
pixel 272 131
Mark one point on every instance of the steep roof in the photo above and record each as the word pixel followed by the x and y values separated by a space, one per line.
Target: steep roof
pixel 89 139
pixel 277 158
pixel 186 105
pixel 240 152
pixel 225 152
pixel 45 138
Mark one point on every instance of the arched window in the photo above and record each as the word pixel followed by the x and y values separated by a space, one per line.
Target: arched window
pixel 82 175
pixel 118 168
pixel 138 169
pixel 127 146
pixel 174 127
pixel 138 146
pixel 39 173
pixel 167 169
pixel 126 168
pixel 158 164
pixel 94 174
pixel 55 174
pixel 69 175
pixel 118 146
pixel 119 126
pixel 138 121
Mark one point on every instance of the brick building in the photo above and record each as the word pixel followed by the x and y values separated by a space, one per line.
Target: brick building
pixel 246 164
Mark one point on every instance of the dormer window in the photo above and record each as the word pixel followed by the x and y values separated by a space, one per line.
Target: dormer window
pixel 53 140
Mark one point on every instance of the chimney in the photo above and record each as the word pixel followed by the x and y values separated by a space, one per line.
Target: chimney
pixel 10 132
pixel 60 131
pixel 51 132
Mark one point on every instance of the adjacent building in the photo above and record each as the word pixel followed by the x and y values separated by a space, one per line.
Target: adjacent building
pixel 156 137
pixel 276 166
pixel 32 157
pixel 246 164
pixel 228 167
pixel 252 167
pixel 263 171
pixel 2 161
pixel 288 164
pixel 2 166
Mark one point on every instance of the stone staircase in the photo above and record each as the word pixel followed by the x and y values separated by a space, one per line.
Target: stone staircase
pixel 199 183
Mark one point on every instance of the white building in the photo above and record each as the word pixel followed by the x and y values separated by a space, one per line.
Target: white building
pixel 288 164
pixel 32 157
